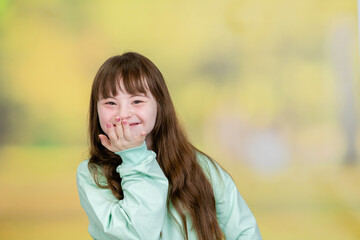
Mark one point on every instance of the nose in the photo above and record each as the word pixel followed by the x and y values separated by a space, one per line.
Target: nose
pixel 125 112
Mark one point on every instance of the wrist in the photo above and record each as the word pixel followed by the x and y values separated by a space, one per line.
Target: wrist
pixel 133 156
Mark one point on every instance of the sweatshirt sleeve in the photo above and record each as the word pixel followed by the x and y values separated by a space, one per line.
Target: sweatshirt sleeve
pixel 142 211
pixel 234 216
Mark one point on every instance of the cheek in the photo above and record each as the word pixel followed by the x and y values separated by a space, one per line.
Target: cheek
pixel 104 118
pixel 152 117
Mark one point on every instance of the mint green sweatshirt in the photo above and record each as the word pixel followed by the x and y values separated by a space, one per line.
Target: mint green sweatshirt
pixel 142 214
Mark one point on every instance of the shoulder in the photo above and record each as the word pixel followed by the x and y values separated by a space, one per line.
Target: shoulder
pixel 85 175
pixel 83 166
pixel 217 176
pixel 209 165
pixel 83 172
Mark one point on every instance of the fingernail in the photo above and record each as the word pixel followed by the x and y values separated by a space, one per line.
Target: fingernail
pixel 117 119
pixel 109 125
pixel 124 122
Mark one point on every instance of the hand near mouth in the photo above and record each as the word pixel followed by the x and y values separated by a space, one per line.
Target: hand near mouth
pixel 120 136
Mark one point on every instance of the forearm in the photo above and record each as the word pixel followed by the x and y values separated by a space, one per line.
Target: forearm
pixel 140 214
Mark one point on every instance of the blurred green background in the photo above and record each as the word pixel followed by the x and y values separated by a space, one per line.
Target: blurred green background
pixel 270 89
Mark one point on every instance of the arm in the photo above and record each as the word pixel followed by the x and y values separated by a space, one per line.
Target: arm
pixel 142 211
pixel 234 216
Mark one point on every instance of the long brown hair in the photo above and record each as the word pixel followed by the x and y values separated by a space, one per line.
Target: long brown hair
pixel 190 192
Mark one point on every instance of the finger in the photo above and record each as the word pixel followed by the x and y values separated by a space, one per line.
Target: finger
pixel 111 132
pixel 119 129
pixel 127 132
pixel 105 141
pixel 140 138
pixel 141 133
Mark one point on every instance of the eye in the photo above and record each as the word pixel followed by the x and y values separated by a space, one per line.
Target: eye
pixel 137 101
pixel 110 103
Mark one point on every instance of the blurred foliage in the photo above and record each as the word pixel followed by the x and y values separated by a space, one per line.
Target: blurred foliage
pixel 256 83
pixel 271 57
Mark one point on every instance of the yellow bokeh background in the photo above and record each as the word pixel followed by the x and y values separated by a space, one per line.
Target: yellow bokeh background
pixel 270 89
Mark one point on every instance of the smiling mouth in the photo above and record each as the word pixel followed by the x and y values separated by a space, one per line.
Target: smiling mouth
pixel 131 124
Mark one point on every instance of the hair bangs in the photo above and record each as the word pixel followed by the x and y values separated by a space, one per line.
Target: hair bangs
pixel 107 85
pixel 133 82
pixel 127 79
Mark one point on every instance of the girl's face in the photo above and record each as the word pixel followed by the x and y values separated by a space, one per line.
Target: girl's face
pixel 139 110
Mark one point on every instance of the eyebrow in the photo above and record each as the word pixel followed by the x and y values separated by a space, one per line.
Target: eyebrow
pixel 131 95
pixel 138 95
pixel 104 98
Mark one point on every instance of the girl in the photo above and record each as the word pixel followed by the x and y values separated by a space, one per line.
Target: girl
pixel 144 179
